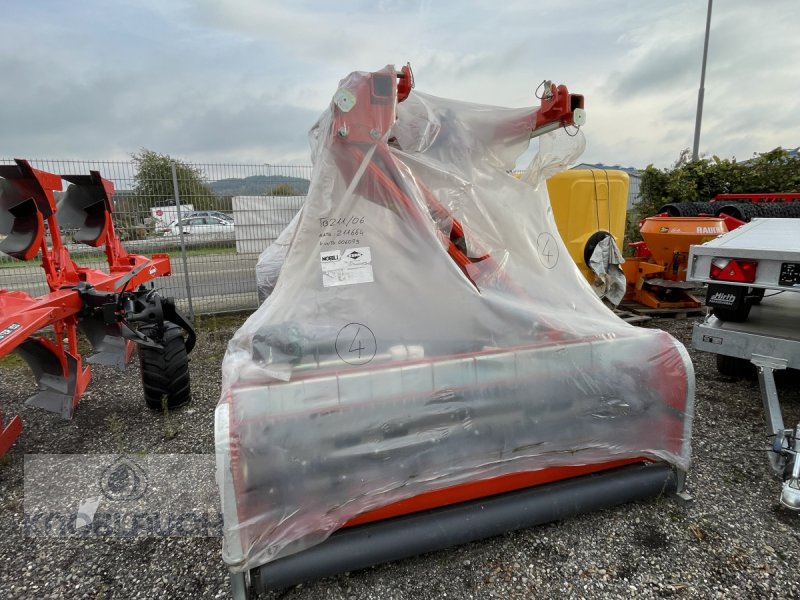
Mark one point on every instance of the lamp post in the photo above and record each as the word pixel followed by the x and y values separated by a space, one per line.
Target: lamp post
pixel 701 92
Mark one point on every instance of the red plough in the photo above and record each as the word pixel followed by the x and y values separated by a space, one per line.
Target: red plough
pixel 114 309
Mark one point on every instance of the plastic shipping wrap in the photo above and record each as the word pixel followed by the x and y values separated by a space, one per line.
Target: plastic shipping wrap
pixel 428 329
pixel 270 261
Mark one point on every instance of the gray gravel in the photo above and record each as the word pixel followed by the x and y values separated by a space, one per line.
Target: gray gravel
pixel 733 541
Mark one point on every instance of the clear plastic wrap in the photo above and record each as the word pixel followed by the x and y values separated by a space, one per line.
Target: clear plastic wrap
pixel 270 261
pixel 428 329
pixel 610 282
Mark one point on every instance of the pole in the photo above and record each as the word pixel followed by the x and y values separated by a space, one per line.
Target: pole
pixel 701 92
pixel 183 241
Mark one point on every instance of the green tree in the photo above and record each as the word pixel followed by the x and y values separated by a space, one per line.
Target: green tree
pixel 283 189
pixel 701 180
pixel 153 185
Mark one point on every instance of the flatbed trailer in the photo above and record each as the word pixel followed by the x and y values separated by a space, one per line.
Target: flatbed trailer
pixel 773 243
pixel 764 330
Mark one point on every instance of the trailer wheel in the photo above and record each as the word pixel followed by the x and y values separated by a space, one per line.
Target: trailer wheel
pixel 733 366
pixel 165 371
pixel 734 315
pixel 755 295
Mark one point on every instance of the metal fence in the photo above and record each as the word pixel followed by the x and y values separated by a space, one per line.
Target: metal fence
pixel 229 214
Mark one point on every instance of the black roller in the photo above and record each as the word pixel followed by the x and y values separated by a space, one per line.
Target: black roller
pixel 704 208
pixel 781 210
pixel 402 537
pixel 744 211
pixel 687 209
pixel 678 209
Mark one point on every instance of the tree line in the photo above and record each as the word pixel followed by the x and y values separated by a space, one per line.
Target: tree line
pixel 776 171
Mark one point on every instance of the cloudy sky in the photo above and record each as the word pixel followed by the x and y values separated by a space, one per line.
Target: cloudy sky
pixel 243 80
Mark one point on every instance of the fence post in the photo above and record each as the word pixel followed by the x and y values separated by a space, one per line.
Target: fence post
pixel 183 240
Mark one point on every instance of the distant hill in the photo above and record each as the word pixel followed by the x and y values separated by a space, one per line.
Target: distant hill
pixel 258 185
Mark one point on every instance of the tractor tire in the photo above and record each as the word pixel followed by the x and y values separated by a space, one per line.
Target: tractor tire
pixel 733 366
pixel 165 371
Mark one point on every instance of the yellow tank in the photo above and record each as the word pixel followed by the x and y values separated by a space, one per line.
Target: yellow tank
pixel 588 204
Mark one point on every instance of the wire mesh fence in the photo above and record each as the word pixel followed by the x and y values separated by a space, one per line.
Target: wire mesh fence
pixel 212 219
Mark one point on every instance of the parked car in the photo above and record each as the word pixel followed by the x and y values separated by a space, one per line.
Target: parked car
pixel 209 213
pixel 201 225
pixel 168 228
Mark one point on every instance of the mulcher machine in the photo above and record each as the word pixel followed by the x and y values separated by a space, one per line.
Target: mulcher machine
pixel 432 368
pixel 114 309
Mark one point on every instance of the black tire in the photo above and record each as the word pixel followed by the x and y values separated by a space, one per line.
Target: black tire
pixel 734 315
pixel 732 366
pixel 165 371
pixel 755 295
pixel 591 244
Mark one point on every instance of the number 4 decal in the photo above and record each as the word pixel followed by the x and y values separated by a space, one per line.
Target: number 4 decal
pixel 356 344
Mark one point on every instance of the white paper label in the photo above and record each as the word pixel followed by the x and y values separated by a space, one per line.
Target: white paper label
pixel 346 267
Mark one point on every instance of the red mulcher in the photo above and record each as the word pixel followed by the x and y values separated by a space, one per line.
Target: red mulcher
pixel 431 367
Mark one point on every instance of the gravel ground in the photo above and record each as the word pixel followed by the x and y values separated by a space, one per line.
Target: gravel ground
pixel 733 541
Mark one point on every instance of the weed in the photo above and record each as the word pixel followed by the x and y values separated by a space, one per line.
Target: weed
pixel 171 430
pixel 117 436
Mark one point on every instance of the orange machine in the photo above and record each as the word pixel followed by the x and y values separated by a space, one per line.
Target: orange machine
pixel 657 274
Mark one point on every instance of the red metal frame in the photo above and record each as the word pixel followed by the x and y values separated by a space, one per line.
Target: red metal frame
pixel 22 315
pixel 558 106
pixel 758 197
pixel 482 489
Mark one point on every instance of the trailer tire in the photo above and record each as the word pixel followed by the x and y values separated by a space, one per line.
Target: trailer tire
pixel 165 371
pixel 734 315
pixel 755 295
pixel 733 366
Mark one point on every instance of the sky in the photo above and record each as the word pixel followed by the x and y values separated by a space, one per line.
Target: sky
pixel 242 81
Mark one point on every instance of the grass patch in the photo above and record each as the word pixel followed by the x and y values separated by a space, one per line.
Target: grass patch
pixel 87 257
pixel 175 253
pixel 171 430
pixel 115 425
pixel 215 322
pixel 11 361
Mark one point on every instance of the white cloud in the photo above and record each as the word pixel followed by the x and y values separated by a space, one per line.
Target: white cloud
pixel 243 80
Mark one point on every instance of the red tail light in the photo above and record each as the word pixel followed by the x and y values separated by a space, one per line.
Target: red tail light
pixel 731 269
